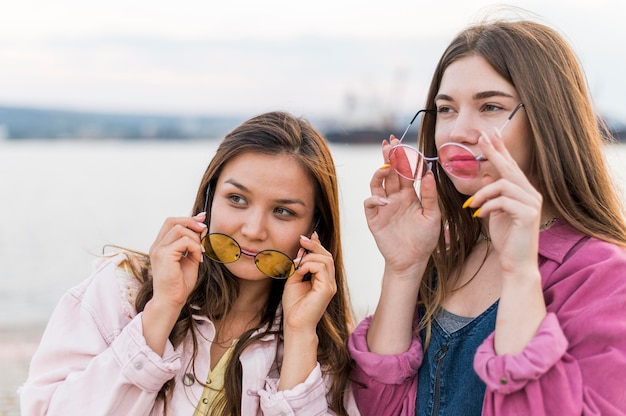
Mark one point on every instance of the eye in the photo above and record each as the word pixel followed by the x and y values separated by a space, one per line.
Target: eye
pixel 237 199
pixel 284 212
pixel 442 109
pixel 491 108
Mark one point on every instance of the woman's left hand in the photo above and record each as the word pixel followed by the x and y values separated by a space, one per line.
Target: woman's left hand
pixel 304 302
pixel 513 207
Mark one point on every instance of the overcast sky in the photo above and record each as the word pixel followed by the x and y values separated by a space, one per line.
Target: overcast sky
pixel 242 57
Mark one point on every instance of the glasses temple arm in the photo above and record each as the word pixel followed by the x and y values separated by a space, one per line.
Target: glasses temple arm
pixel 520 105
pixel 412 120
pixel 206 203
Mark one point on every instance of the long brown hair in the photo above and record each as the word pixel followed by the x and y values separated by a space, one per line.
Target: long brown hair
pixel 568 166
pixel 216 289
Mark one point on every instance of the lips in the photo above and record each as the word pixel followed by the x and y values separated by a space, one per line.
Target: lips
pixel 248 253
pixel 459 155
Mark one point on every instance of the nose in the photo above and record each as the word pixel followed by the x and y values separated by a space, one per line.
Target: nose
pixel 254 226
pixel 464 128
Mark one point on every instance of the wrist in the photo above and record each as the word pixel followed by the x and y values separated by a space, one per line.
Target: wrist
pixel 411 272
pixel 161 314
pixel 299 357
pixel 306 336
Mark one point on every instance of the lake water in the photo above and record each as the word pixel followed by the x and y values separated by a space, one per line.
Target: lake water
pixel 61 201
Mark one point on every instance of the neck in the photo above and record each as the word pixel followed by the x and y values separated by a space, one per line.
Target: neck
pixel 253 296
pixel 546 222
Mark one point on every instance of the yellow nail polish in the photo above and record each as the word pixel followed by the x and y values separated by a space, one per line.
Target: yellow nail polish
pixel 385 166
pixel 468 202
pixel 476 213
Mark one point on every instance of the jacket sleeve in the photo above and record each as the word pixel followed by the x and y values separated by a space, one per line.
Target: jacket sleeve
pixel 307 398
pixel 384 384
pixel 576 363
pixel 94 360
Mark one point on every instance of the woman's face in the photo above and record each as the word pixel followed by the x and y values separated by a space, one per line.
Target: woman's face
pixel 263 202
pixel 473 98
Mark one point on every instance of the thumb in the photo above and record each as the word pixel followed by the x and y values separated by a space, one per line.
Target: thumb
pixel 428 191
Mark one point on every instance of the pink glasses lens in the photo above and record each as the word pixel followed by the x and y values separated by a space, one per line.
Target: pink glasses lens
pixel 408 162
pixel 458 161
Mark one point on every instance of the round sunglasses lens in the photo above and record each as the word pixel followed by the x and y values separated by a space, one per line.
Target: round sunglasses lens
pixel 221 248
pixel 407 162
pixel 274 264
pixel 458 161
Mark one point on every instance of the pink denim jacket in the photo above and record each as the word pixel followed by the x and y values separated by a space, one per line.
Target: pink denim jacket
pixel 575 364
pixel 93 360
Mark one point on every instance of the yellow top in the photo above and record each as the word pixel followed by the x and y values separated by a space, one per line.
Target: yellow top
pixel 214 383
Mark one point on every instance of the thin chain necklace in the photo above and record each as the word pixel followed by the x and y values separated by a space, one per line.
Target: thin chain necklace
pixel 542 227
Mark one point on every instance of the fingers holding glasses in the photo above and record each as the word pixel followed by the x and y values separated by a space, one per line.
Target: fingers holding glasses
pixel 304 302
pixel 512 199
pixel 315 259
pixel 182 236
pixel 494 150
pixel 175 275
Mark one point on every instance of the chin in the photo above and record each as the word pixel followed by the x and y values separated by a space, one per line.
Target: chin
pixel 466 187
pixel 246 271
pixel 470 186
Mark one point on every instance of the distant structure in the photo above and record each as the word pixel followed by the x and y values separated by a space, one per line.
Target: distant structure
pixel 27 123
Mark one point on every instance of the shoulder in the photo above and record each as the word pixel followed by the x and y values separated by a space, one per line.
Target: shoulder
pixel 111 289
pixel 570 248
pixel 581 270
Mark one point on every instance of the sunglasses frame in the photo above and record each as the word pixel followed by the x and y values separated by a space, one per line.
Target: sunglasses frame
pixel 293 268
pixel 429 160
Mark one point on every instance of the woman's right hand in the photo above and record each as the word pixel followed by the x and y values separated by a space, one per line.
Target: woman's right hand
pixel 174 256
pixel 406 229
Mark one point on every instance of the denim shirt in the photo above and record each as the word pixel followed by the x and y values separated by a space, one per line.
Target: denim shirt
pixel 447 383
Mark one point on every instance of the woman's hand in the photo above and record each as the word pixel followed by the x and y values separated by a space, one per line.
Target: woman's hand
pixel 304 304
pixel 406 229
pixel 513 207
pixel 174 257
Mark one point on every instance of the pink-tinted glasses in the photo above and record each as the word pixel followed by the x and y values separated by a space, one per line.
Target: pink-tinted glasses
pixel 455 158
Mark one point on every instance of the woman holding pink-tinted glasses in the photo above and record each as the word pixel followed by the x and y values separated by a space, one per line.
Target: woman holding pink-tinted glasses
pixel 504 284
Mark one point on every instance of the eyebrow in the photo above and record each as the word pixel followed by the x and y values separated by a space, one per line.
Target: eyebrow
pixel 478 96
pixel 282 201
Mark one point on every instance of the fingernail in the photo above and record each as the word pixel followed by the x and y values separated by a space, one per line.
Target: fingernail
pixel 485 137
pixel 199 215
pixel 201 224
pixel 385 166
pixel 383 201
pixel 299 256
pixel 315 235
pixel 476 213
pixel 468 202
pixel 305 238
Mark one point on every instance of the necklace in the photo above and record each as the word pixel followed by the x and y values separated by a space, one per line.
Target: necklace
pixel 542 227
